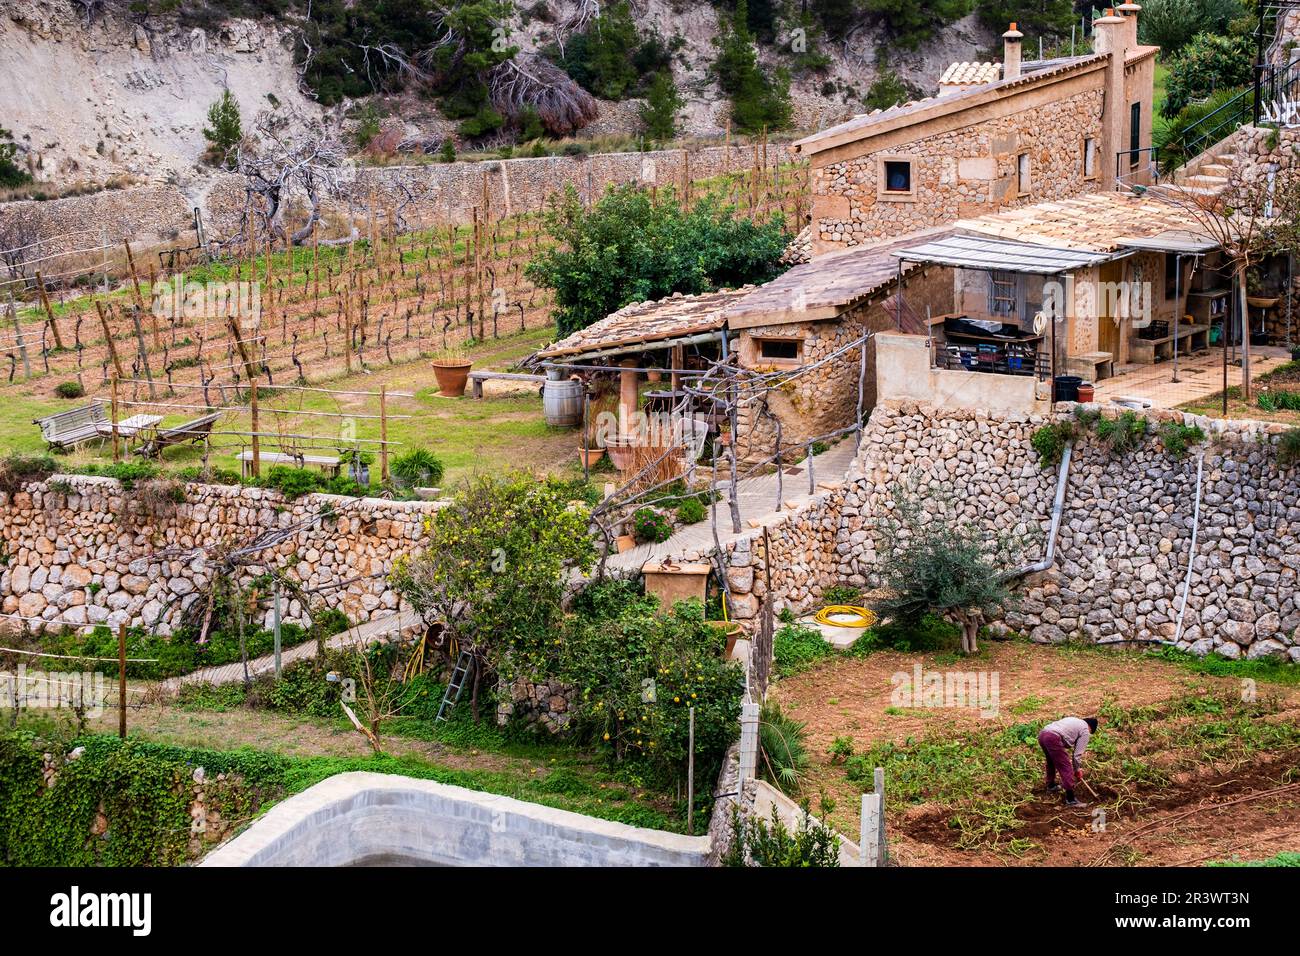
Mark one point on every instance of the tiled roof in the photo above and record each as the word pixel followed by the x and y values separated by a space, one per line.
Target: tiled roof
pixel 1097 222
pixel 946 103
pixel 971 73
pixel 827 285
pixel 675 317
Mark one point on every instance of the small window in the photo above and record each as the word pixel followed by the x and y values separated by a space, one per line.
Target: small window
pixel 1002 293
pixel 1134 134
pixel 782 350
pixel 1089 158
pixel 1022 173
pixel 898 176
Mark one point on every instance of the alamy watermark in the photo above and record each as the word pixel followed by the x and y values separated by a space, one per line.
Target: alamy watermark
pixel 177 299
pixel 931 688
pixel 53 690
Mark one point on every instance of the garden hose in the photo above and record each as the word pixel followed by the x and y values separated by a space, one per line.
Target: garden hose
pixel 845 615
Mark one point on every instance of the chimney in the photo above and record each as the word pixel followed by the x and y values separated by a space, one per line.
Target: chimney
pixel 1130 11
pixel 1011 53
pixel 1111 36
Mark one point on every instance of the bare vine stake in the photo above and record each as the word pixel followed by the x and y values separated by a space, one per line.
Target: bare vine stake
pixel 121 674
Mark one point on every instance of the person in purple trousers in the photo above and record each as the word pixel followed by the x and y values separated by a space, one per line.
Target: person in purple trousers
pixel 1064 742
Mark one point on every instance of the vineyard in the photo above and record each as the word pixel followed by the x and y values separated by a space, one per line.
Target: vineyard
pixel 152 340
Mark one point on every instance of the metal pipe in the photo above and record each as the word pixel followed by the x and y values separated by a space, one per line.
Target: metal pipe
pixel 1191 557
pixel 1058 507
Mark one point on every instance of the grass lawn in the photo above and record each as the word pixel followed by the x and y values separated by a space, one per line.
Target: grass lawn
pixel 459 752
pixel 504 430
pixel 1284 378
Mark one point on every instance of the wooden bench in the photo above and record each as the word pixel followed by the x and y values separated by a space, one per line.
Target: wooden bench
pixel 1091 366
pixel 71 428
pixel 1150 351
pixel 477 379
pixel 326 463
pixel 196 429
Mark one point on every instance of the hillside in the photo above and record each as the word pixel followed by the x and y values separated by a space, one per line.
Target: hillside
pixel 133 89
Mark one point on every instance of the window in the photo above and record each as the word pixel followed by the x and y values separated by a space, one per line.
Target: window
pixel 1134 134
pixel 898 176
pixel 1022 173
pixel 1002 294
pixel 780 350
pixel 1089 158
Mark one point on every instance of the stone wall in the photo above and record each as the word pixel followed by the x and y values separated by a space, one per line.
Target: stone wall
pixel 1124 541
pixel 75 555
pixel 957 173
pixel 145 215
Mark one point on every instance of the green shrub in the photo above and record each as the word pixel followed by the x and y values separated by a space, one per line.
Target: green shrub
pixel 755 843
pixel 213 476
pixel 11 174
pixel 1177 437
pixel 650 525
pixel 1288 448
pixel 888 89
pixel 127 473
pixel 1123 434
pixel 638 669
pixel 69 390
pixel 842 594
pixel 692 511
pixel 1209 63
pixel 1280 400
pixel 930 633
pixel 663 103
pixel 417 467
pixel 796 647
pixel 224 131
pixel 1050 441
pixel 784 754
pixel 17 470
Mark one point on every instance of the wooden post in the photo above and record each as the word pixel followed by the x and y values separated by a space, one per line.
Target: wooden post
pixel 49 311
pixel 121 678
pixel 383 433
pixel 690 772
pixel 117 455
pixel 18 332
pixel 257 441
pixel 139 299
pixel 108 338
pixel 881 848
pixel 144 352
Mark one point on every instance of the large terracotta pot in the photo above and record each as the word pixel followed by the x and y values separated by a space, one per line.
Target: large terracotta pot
pixel 452 377
pixel 589 456
pixel 621 455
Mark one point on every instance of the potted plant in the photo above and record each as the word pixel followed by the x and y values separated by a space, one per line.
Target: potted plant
pixel 451 368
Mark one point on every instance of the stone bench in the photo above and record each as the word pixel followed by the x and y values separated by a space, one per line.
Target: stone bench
pixel 1091 366
pixel 477 379
pixel 1150 351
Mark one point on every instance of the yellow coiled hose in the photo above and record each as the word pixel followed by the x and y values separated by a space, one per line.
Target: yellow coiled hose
pixel 845 615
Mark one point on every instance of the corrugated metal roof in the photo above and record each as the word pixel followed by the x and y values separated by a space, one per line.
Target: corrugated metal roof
pixel 978 252
pixel 1172 241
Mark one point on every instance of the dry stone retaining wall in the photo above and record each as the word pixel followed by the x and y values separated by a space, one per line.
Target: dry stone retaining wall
pixel 1124 541
pixel 74 556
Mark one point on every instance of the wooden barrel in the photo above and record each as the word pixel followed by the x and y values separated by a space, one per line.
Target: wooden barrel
pixel 562 402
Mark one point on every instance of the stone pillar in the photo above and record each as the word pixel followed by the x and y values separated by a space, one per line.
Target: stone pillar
pixel 1110 35
pixel 1011 53
pixel 627 397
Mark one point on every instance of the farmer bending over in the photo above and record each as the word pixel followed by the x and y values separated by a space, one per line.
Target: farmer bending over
pixel 1064 743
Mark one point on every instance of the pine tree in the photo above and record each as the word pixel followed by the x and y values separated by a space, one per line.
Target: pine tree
pixel 663 103
pixel 757 101
pixel 224 130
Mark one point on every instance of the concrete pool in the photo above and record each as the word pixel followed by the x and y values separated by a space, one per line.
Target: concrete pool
pixel 373 819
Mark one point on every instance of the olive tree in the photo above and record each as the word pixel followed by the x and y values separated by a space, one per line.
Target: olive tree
pixel 932 562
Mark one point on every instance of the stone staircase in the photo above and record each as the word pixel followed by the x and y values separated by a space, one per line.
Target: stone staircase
pixel 1207 175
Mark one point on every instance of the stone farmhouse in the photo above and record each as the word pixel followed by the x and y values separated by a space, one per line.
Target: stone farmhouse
pixel 995 238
